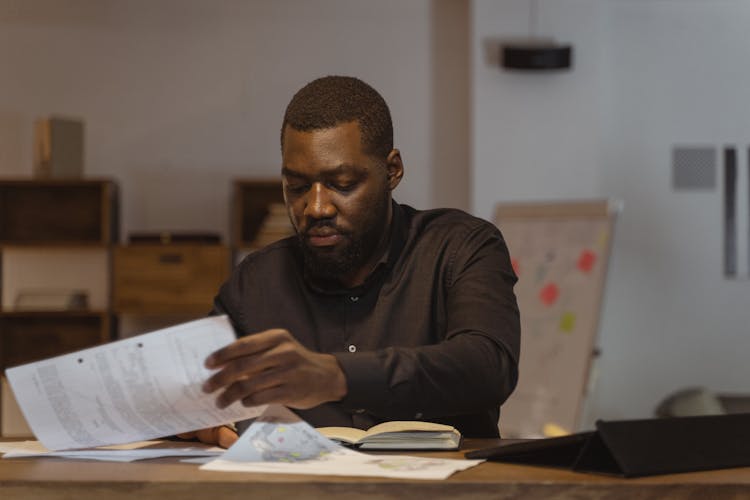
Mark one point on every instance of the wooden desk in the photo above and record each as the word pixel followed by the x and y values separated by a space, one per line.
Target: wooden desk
pixel 167 479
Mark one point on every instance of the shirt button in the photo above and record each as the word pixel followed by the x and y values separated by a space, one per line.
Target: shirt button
pixel 418 415
pixel 352 348
pixel 353 298
pixel 359 411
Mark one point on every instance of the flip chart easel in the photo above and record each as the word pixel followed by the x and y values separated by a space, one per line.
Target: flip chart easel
pixel 560 252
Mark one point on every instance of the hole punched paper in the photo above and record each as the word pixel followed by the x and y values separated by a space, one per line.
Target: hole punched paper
pixel 139 388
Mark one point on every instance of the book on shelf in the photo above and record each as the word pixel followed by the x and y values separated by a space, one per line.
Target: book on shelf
pixel 50 299
pixel 58 148
pixel 275 226
pixel 397 435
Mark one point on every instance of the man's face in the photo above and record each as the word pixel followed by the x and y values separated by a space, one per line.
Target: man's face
pixel 338 198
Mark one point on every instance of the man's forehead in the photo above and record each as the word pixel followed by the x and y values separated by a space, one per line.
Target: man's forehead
pixel 326 171
pixel 341 132
pixel 330 148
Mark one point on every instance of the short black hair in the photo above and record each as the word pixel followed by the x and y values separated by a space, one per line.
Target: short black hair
pixel 333 100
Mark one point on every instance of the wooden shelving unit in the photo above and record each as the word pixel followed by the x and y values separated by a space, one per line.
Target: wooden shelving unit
pixel 47 226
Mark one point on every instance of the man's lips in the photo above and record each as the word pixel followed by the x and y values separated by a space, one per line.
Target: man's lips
pixel 323 237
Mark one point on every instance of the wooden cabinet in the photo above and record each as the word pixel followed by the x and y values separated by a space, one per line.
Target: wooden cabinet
pixel 56 238
pixel 168 279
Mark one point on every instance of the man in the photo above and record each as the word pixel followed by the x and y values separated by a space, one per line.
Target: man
pixel 374 311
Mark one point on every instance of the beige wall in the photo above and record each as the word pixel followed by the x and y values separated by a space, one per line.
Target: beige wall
pixel 181 96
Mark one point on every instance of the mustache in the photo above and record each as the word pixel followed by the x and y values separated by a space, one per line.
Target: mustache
pixel 320 224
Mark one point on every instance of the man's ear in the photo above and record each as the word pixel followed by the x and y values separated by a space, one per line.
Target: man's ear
pixel 395 168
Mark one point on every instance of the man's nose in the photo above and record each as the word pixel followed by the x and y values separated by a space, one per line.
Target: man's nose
pixel 319 203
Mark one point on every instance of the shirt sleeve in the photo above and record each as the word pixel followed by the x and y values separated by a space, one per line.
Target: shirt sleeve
pixel 474 368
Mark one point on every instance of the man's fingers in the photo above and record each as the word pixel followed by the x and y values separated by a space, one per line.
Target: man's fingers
pixel 246 346
pixel 225 437
pixel 234 372
pixel 284 356
pixel 277 394
pixel 286 394
pixel 273 367
pixel 222 435
pixel 208 436
pixel 241 389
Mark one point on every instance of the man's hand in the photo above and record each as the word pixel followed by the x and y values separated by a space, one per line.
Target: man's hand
pixel 221 435
pixel 272 367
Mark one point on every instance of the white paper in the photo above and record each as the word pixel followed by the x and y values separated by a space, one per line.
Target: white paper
pixel 279 442
pixel 122 453
pixel 139 388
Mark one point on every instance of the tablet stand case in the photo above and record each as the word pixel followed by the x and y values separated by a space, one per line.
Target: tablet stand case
pixel 633 448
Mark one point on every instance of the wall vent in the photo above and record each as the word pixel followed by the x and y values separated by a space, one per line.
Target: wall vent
pixel 693 167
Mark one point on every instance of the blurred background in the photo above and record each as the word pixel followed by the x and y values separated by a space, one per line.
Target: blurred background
pixel 180 97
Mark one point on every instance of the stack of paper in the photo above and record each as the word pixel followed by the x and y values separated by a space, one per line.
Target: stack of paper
pixel 143 450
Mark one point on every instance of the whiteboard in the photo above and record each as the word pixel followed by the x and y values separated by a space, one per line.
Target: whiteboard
pixel 560 252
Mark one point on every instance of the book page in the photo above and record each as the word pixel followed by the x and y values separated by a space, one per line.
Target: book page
pixel 408 426
pixel 349 435
pixel 140 388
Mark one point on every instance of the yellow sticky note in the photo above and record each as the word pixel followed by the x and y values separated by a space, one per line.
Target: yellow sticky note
pixel 567 322
pixel 602 240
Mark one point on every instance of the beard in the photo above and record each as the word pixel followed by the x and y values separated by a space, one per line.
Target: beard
pixel 333 264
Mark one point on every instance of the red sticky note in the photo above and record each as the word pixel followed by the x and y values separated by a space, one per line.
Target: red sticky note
pixel 586 261
pixel 549 294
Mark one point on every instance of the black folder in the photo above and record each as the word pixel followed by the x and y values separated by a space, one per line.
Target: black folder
pixel 632 448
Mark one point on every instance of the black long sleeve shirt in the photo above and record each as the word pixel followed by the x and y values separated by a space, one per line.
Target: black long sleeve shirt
pixel 432 334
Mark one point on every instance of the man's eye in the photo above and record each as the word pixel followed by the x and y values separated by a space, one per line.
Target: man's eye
pixel 297 188
pixel 344 186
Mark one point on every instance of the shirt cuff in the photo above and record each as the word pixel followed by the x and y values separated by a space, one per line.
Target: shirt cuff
pixel 367 386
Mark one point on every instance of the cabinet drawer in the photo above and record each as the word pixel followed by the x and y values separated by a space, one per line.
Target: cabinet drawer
pixel 158 279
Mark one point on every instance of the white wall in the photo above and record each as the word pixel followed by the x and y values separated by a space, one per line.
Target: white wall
pixel 535 136
pixel 181 96
pixel 677 77
pixel 648 75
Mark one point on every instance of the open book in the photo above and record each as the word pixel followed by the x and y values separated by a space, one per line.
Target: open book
pixel 397 435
